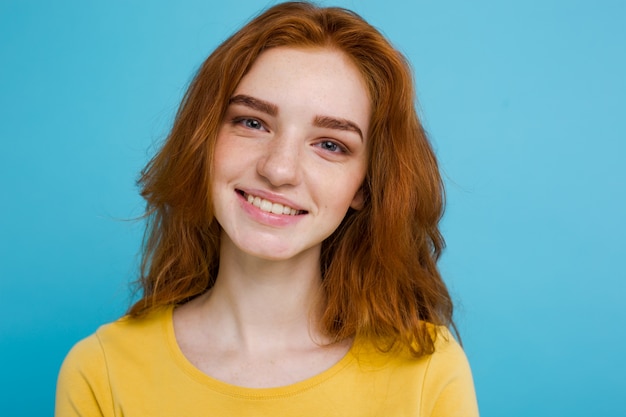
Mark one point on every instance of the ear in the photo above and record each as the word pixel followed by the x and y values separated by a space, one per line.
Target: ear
pixel 358 200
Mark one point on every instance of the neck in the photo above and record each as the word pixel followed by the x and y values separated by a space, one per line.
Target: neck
pixel 259 302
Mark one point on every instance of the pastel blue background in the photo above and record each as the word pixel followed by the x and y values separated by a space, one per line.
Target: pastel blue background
pixel 525 103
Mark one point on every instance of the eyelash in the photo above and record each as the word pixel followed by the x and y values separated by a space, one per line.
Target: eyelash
pixel 243 120
pixel 339 148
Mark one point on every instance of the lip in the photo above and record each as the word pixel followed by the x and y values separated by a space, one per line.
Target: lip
pixel 268 218
pixel 274 198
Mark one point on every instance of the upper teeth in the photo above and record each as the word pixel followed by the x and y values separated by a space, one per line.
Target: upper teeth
pixel 270 207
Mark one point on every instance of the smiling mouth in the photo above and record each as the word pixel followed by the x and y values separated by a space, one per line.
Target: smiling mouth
pixel 269 207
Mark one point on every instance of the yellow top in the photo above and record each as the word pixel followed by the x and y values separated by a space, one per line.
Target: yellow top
pixel 134 368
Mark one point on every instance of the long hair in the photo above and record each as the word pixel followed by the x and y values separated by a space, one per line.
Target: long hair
pixel 379 269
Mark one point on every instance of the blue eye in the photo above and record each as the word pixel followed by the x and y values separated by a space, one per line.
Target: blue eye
pixel 331 146
pixel 248 123
pixel 252 124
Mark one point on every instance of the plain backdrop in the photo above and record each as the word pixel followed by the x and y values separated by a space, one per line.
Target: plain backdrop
pixel 524 101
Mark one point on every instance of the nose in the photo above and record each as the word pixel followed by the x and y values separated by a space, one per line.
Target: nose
pixel 280 163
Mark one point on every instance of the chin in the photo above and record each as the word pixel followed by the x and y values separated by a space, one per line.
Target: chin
pixel 279 252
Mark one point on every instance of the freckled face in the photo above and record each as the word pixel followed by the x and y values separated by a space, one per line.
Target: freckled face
pixel 291 153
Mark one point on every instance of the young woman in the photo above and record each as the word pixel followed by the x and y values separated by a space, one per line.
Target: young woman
pixel 290 258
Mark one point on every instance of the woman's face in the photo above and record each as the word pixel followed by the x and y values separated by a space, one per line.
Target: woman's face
pixel 291 153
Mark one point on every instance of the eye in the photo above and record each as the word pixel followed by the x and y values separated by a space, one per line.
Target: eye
pixel 249 123
pixel 330 146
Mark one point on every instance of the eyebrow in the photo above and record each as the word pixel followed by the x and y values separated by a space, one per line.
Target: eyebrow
pixel 339 124
pixel 255 103
pixel 319 121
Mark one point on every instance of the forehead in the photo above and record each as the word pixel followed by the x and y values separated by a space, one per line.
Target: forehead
pixel 319 80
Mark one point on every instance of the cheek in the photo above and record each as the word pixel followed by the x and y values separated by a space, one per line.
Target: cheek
pixel 220 152
pixel 223 170
pixel 226 159
pixel 342 194
pixel 232 154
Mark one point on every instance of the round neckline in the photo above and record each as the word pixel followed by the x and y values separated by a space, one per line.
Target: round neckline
pixel 245 392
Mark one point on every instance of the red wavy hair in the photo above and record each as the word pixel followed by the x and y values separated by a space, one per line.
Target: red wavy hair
pixel 379 267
